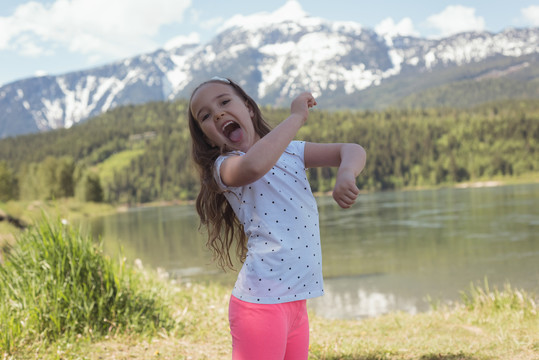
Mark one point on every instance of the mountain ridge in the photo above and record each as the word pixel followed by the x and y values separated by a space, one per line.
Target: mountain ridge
pixel 344 64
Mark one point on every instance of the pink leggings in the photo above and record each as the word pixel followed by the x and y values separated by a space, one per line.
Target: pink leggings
pixel 269 332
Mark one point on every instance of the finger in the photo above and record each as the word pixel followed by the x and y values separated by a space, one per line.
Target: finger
pixel 349 202
pixel 353 189
pixel 344 204
pixel 350 195
pixel 344 201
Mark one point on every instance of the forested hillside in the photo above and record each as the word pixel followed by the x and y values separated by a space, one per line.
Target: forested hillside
pixel 138 154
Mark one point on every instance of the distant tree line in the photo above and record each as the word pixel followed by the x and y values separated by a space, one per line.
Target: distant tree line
pixel 405 148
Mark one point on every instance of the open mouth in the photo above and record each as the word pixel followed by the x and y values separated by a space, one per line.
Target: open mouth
pixel 232 131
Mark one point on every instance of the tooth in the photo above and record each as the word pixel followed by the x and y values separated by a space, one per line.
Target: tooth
pixel 225 125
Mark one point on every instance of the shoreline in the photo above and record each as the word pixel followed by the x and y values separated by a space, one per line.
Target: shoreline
pixel 77 209
pixel 479 184
pixel 462 185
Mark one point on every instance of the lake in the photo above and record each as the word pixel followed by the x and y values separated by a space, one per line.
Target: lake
pixel 391 251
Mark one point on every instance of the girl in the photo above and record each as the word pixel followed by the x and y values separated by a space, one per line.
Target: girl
pixel 255 197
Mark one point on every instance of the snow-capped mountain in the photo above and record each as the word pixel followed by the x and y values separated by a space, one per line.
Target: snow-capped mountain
pixel 274 57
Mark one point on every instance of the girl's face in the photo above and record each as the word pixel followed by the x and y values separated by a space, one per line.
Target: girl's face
pixel 223 116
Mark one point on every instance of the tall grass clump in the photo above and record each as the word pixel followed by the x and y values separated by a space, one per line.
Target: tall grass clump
pixel 57 283
pixel 483 299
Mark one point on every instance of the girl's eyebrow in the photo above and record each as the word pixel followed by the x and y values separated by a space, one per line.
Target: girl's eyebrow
pixel 216 98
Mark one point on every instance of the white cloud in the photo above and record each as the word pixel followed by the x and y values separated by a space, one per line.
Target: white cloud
pixel 387 27
pixel 531 15
pixel 92 27
pixel 291 10
pixel 455 19
pixel 178 41
pixel 212 23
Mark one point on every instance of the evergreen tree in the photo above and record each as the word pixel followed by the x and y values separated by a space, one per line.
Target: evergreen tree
pixel 8 183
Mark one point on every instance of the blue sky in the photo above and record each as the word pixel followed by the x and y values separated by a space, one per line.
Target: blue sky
pixel 57 36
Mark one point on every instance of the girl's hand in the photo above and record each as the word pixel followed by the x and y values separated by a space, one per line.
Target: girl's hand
pixel 345 191
pixel 301 104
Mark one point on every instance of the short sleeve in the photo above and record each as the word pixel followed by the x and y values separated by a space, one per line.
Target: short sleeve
pixel 217 171
pixel 217 168
pixel 297 148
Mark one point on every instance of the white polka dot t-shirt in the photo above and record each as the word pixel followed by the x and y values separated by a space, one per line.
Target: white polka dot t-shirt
pixel 280 218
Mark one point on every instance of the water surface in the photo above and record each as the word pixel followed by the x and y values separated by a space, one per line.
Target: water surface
pixel 391 251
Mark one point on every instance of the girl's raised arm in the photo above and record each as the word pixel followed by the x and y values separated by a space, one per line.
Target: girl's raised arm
pixel 263 155
pixel 350 158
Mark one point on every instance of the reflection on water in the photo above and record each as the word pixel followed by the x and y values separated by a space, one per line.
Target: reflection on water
pixel 389 252
pixel 365 296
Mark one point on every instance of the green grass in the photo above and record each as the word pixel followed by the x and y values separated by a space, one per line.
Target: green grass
pixel 484 300
pixel 69 209
pixel 478 330
pixel 489 325
pixel 57 283
pixel 66 208
pixel 62 298
pixel 117 162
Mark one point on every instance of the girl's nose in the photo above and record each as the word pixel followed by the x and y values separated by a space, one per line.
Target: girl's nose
pixel 219 115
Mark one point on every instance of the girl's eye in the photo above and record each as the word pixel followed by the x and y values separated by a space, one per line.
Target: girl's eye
pixel 204 117
pixel 225 102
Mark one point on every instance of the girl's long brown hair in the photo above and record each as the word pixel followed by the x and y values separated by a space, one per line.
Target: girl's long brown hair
pixel 214 211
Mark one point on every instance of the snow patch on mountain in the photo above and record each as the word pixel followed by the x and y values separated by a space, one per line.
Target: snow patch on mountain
pixel 51 116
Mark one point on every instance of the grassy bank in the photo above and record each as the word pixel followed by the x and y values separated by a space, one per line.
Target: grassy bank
pixel 65 208
pixel 28 212
pixel 63 299
pixel 481 330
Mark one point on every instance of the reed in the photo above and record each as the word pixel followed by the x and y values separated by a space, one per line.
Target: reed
pixel 56 282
